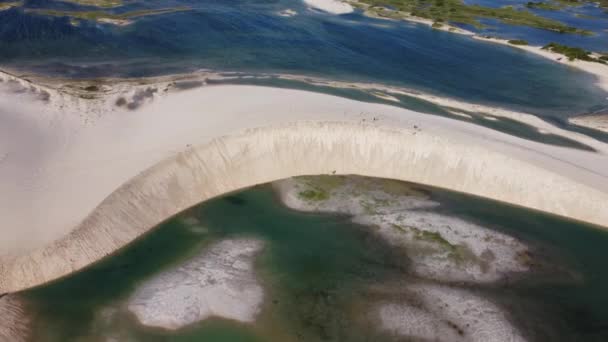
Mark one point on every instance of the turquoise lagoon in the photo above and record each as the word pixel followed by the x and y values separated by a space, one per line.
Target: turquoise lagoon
pixel 318 272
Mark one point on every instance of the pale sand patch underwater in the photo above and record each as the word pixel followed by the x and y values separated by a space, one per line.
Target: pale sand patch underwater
pixel 447 314
pixel 218 282
pixel 13 320
pixel 439 247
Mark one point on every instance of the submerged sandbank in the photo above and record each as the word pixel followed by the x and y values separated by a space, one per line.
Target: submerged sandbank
pixel 444 313
pixel 219 282
pixel 438 246
pixel 13 320
pixel 108 173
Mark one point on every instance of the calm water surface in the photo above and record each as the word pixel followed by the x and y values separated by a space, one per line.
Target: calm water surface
pixel 249 36
pixel 315 270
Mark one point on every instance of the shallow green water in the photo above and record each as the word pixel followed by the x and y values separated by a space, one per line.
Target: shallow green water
pixel 316 271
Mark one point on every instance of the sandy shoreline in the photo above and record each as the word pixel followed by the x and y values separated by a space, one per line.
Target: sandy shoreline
pixel 71 196
pixel 72 95
pixel 596 69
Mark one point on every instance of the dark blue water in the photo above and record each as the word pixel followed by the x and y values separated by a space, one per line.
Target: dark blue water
pixel 570 15
pixel 249 36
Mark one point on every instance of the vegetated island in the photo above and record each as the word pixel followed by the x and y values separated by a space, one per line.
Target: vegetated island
pixel 574 53
pixel 444 12
pixel 571 52
pixel 441 14
pixel 122 19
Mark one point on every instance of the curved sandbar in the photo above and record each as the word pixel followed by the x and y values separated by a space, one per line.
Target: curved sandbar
pixel 215 140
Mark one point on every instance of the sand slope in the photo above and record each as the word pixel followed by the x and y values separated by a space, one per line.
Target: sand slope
pixel 79 190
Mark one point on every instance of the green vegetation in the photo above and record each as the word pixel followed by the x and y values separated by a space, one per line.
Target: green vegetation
pixel 544 6
pixel 458 253
pixel 314 195
pixel 518 42
pixel 123 18
pixel 455 11
pixel 325 182
pixel 574 53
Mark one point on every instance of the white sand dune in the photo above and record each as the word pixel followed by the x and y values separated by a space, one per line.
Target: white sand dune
pixel 219 282
pixel 79 182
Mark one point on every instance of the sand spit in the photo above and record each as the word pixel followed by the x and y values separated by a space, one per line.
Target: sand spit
pixel 87 188
pixel 330 6
pixel 595 121
pixel 89 100
pixel 444 313
pixel 439 247
pixel 13 320
pixel 218 282
pixel 454 106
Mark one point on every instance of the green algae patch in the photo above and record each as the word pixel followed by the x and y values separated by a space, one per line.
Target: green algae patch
pixel 313 195
pixel 319 188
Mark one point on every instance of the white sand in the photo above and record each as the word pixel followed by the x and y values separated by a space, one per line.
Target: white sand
pixel 287 13
pixel 448 314
pixel 330 6
pixel 524 118
pixel 599 121
pixel 62 159
pixel 439 247
pixel 219 282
